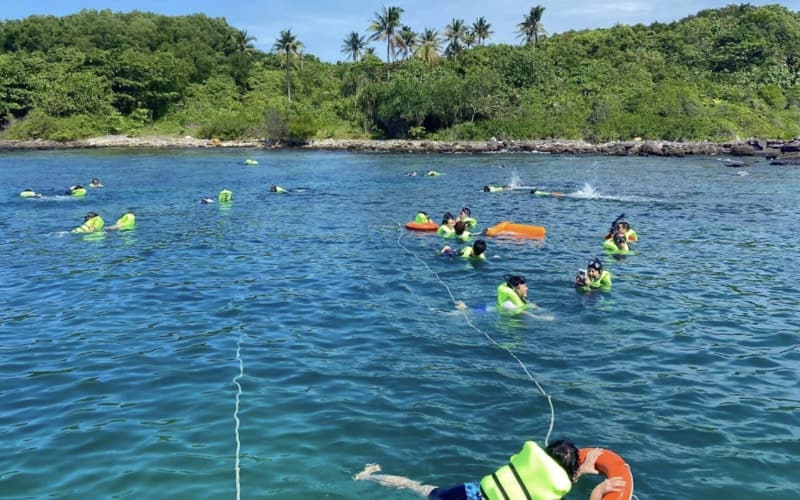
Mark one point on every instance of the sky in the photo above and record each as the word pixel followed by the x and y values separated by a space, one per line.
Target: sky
pixel 322 25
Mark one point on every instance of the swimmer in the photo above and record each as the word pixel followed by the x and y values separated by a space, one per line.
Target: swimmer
pixel 277 189
pixel 225 196
pixel 461 232
pixel 95 183
pixel 422 218
pixel 547 473
pixel 92 223
pixel 617 245
pixel 206 201
pixel 512 295
pixel 466 216
pixel 413 173
pixel 124 223
pixel 476 251
pixel 29 193
pixel 593 277
pixel 447 228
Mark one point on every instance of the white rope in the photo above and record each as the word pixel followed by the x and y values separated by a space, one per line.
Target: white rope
pixel 489 337
pixel 236 414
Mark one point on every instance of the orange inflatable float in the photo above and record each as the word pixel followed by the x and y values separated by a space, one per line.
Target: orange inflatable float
pixel 612 465
pixel 524 230
pixel 422 226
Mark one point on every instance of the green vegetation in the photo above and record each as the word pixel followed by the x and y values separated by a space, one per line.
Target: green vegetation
pixel 717 75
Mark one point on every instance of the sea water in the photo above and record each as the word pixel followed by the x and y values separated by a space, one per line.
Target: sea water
pixel 272 347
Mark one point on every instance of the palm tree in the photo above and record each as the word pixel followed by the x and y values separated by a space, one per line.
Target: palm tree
pixel 455 34
pixel 429 46
pixel 354 45
pixel 531 26
pixel 288 46
pixel 406 41
pixel 243 42
pixel 481 30
pixel 384 26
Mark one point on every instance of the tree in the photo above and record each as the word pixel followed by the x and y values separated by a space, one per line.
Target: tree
pixel 531 26
pixel 243 43
pixel 354 45
pixel 429 46
pixel 406 41
pixel 481 30
pixel 288 47
pixel 384 26
pixel 456 35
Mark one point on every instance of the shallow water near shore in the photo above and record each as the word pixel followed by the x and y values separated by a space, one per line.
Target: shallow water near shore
pixel 122 355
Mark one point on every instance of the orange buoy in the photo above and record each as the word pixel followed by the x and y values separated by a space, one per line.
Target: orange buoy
pixel 524 230
pixel 422 226
pixel 612 465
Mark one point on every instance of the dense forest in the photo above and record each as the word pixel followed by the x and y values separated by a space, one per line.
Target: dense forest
pixel 717 75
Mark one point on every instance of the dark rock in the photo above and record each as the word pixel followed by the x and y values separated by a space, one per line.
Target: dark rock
pixel 791 147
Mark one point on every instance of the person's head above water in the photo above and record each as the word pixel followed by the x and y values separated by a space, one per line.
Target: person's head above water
pixel 466 211
pixel 89 215
pixel 478 247
pixel 460 227
pixel 566 455
pixel 447 218
pixel 515 281
pixel 620 239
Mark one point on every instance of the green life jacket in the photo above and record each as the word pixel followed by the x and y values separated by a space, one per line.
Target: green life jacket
pixel 466 235
pixel 78 193
pixel 127 221
pixel 505 294
pixel 28 194
pixel 225 196
pixel 446 231
pixel 603 281
pixel 610 247
pixel 470 222
pixel 495 189
pixel 531 474
pixel 90 226
pixel 279 189
pixel 468 253
pixel 631 235
pixel 421 218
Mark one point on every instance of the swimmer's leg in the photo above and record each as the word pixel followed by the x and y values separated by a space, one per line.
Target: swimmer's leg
pixel 400 482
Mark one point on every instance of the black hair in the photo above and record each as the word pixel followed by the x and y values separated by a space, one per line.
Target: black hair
pixel 620 238
pixel 479 247
pixel 566 455
pixel 486 189
pixel 513 281
pixel 447 216
pixel 466 210
pixel 460 227
pixel 595 264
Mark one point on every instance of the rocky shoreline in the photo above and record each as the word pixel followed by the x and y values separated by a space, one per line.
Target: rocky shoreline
pixel 780 152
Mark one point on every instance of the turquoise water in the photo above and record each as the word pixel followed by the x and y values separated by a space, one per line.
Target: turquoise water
pixel 120 354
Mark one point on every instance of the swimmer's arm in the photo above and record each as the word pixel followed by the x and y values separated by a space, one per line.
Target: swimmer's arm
pixel 610 485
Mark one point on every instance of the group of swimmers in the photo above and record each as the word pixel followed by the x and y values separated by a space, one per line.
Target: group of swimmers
pixel 534 472
pixel 92 222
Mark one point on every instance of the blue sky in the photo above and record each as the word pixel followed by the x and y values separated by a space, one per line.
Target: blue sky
pixel 323 24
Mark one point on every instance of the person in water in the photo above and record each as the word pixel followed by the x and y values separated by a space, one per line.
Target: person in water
pixel 512 295
pixel 593 277
pixel 617 245
pixel 95 183
pixel 461 232
pixel 92 223
pixel 413 173
pixel 29 193
pixel 466 216
pixel 225 196
pixel 476 251
pixel 77 190
pixel 532 473
pixel 124 223
pixel 422 218
pixel 206 200
pixel 277 189
pixel 621 226
pixel 447 229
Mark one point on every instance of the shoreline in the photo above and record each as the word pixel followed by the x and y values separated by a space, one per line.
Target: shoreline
pixel 772 149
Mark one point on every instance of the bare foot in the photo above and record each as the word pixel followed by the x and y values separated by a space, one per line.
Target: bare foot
pixel 369 470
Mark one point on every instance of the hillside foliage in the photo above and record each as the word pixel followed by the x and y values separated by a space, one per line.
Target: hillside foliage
pixel 717 75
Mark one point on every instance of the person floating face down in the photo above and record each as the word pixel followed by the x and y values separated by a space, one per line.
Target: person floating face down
pixel 532 473
pixel 594 277
pixel 512 295
pixel 92 223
